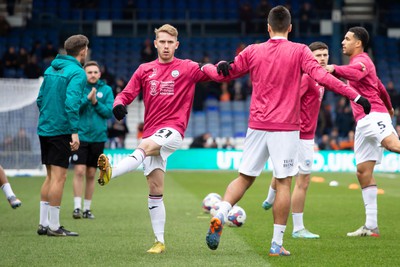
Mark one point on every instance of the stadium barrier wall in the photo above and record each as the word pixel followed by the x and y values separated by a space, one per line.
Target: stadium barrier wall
pixel 217 159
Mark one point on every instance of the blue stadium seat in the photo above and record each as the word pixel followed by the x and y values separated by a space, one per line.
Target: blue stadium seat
pixel 116 14
pixel 181 9
pixel 169 9
pixel 226 130
pixel 194 10
pixel 89 14
pixel 211 104
pixel 104 3
pixel 232 10
pixel 64 9
pixel 225 106
pixel 189 130
pixel 155 9
pixel 103 14
pixel 199 122
pixel 219 8
pixel 143 9
pixel 206 9
pixel 76 14
pixel 238 106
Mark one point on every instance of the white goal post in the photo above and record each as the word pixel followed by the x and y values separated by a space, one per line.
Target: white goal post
pixel 19 143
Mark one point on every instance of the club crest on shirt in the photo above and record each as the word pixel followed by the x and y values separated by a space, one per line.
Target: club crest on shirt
pixel 308 163
pixel 153 74
pixel 99 95
pixel 175 73
pixel 153 87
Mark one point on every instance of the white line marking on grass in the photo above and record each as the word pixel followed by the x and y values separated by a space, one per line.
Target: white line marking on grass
pixel 389 175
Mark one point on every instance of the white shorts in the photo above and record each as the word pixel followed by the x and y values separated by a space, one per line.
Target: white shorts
pixel 170 140
pixel 306 156
pixel 282 147
pixel 370 131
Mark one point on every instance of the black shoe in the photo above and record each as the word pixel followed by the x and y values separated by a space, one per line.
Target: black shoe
pixel 76 214
pixel 88 215
pixel 61 232
pixel 42 230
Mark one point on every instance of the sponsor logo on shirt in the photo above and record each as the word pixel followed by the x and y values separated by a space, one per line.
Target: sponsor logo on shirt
pixel 175 73
pixel 153 74
pixel 167 88
pixel 153 87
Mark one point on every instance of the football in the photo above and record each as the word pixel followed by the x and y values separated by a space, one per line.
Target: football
pixel 210 200
pixel 236 217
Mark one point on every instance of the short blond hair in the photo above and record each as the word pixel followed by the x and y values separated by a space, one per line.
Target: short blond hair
pixel 168 29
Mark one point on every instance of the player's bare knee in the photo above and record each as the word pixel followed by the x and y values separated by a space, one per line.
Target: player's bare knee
pixel 303 181
pixel 80 174
pixel 302 185
pixel 249 180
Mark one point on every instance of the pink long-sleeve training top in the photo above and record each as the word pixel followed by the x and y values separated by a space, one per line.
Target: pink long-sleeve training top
pixel 168 90
pixel 311 94
pixel 275 68
pixel 361 75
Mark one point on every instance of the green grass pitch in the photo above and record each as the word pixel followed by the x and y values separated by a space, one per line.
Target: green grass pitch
pixel 121 232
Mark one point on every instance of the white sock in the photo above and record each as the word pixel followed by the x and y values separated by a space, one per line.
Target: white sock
pixel 279 230
pixel 8 192
pixel 224 208
pixel 77 202
pixel 54 220
pixel 271 195
pixel 86 204
pixel 130 163
pixel 297 222
pixel 44 213
pixel 370 194
pixel 157 216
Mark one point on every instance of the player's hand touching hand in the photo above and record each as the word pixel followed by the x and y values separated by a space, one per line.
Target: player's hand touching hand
pixel 224 67
pixel 330 68
pixel 74 144
pixel 92 96
pixel 120 111
pixel 201 65
pixel 362 101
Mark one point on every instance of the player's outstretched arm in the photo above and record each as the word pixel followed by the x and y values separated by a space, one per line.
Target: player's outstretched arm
pixel 353 72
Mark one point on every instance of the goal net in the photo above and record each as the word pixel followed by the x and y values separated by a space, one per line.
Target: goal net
pixel 19 143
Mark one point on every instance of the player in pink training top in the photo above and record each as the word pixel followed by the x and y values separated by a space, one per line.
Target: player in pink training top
pixel 275 68
pixel 311 94
pixel 373 131
pixel 167 84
